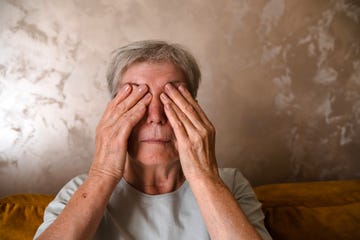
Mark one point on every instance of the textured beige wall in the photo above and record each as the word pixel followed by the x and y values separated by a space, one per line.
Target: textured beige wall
pixel 281 81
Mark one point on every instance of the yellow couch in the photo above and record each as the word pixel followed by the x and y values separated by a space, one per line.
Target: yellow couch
pixel 21 215
pixel 313 210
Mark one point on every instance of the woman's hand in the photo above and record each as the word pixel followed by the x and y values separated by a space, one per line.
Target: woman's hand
pixel 194 133
pixel 114 128
pixel 195 136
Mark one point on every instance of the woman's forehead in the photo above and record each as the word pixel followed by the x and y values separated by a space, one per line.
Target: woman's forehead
pixel 150 73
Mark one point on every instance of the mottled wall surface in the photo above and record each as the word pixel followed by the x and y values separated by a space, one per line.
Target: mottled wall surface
pixel 281 81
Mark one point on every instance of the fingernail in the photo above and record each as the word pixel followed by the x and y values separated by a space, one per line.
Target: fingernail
pixel 127 87
pixel 142 88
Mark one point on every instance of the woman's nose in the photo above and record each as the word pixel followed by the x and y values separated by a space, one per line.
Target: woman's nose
pixel 155 112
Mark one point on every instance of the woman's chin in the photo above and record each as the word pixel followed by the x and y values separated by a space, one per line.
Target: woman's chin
pixel 154 158
pixel 154 153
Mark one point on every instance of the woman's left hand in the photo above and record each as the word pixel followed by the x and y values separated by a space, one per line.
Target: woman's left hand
pixel 196 145
pixel 194 133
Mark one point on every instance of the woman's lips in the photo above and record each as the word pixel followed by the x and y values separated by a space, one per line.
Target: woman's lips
pixel 156 141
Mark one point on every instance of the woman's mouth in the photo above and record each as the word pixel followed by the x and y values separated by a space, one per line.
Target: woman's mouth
pixel 156 141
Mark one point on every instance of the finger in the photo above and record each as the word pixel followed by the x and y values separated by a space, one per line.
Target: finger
pixel 123 92
pixel 183 104
pixel 121 107
pixel 176 124
pixel 136 94
pixel 178 118
pixel 195 104
pixel 196 135
pixel 128 120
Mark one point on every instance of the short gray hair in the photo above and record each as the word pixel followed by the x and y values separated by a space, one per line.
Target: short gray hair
pixel 153 51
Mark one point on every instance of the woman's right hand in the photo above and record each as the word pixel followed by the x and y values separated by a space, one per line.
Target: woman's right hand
pixel 114 129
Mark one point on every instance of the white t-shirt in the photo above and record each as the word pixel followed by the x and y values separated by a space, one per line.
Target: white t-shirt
pixel 131 214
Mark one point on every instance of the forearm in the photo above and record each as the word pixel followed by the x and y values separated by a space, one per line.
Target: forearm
pixel 222 215
pixel 83 213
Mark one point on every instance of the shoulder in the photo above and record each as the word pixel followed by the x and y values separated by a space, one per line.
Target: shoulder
pixel 65 194
pixel 229 173
pixel 70 187
pixel 238 185
pixel 55 207
pixel 233 178
pixel 245 196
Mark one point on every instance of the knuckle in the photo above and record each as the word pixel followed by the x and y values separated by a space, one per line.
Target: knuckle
pixel 203 132
pixel 125 121
pixel 178 125
pixel 197 140
pixel 142 104
pixel 131 119
pixel 189 108
pixel 122 107
pixel 188 145
pixel 182 116
pixel 102 133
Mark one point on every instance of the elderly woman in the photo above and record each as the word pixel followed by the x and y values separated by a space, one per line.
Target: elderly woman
pixel 154 173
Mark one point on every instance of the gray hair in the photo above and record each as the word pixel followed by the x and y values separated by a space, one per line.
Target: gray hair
pixel 153 51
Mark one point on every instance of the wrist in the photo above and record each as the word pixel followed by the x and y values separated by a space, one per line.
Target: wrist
pixel 203 174
pixel 102 179
pixel 104 174
pixel 201 180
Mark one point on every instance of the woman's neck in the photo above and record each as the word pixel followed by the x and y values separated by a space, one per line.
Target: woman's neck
pixel 154 179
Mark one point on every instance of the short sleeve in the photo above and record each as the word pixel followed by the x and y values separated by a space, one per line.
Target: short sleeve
pixel 56 206
pixel 245 196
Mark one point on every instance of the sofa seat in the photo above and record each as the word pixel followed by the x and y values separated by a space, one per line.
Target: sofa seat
pixel 21 215
pixel 312 210
pixel 307 211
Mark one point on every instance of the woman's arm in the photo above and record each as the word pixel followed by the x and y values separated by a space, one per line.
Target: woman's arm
pixel 196 145
pixel 82 214
pixel 222 214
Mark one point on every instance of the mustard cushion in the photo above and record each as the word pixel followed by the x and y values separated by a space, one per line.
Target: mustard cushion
pixel 21 215
pixel 313 210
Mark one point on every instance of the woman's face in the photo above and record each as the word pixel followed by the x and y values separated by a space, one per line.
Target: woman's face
pixel 152 141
